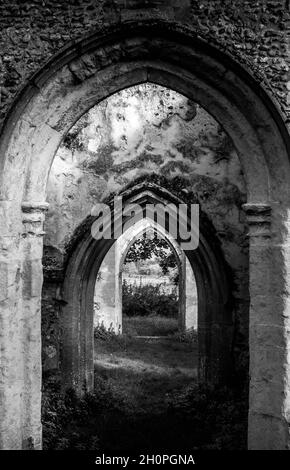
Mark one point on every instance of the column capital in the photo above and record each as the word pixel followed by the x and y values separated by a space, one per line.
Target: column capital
pixel 259 219
pixel 29 207
pixel 33 218
pixel 257 210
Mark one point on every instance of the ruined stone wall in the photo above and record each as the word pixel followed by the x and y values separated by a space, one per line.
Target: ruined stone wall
pixel 255 33
pixel 143 131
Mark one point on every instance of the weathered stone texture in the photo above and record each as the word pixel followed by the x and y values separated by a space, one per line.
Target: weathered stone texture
pixel 255 33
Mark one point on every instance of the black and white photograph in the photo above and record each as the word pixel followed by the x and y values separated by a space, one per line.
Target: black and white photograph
pixel 144 231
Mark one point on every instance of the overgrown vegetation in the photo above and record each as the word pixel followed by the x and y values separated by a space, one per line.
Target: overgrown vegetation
pixel 196 418
pixel 188 336
pixel 146 399
pixel 149 246
pixel 151 325
pixel 142 300
pixel 103 333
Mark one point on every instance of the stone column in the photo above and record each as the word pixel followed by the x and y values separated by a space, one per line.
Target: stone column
pixel 191 308
pixel 32 277
pixel 182 292
pixel 188 308
pixel 105 294
pixel 11 370
pixel 267 424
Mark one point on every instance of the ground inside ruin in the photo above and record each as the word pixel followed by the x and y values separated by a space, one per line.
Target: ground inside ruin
pixel 147 372
pixel 146 400
pixel 147 369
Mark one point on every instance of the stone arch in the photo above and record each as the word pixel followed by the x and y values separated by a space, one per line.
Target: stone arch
pixel 183 63
pixel 80 76
pixel 213 289
pixel 183 268
pixel 114 260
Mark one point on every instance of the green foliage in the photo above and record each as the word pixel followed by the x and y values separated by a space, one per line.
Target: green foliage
pixel 73 140
pixel 152 325
pixel 70 422
pixel 206 418
pixel 144 300
pixel 146 247
pixel 220 414
pixel 188 336
pixel 103 333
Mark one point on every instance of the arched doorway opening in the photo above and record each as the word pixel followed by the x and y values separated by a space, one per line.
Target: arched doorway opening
pixel 141 349
pixel 151 296
pixel 213 291
pixel 108 296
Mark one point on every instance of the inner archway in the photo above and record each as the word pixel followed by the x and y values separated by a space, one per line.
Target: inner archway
pixel 108 296
pixel 146 356
pixel 151 297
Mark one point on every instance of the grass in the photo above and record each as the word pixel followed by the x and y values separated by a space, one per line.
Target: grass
pixel 146 399
pixel 151 325
pixel 139 365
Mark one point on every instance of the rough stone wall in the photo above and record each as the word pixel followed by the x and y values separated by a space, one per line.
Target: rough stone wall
pixel 50 324
pixel 145 130
pixel 255 33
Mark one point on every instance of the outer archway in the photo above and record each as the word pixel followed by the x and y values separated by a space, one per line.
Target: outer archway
pixel 79 77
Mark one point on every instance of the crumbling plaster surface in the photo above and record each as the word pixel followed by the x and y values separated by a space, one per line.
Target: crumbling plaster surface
pixel 143 130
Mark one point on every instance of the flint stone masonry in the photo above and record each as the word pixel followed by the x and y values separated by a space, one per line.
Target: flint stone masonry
pixel 255 33
pixel 231 57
